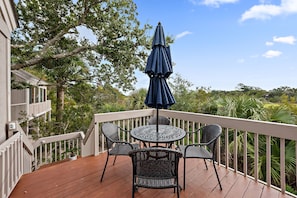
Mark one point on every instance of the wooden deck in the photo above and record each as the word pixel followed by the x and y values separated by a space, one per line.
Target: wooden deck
pixel 81 178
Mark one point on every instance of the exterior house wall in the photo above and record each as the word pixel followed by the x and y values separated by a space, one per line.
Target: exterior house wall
pixel 23 101
pixel 8 22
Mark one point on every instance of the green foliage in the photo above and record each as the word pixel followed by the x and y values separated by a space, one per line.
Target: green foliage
pixel 15 84
pixel 184 97
pixel 281 114
pixel 51 31
pixel 240 107
pixel 136 99
pixel 112 108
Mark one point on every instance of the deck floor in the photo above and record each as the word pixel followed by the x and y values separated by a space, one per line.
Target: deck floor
pixel 81 178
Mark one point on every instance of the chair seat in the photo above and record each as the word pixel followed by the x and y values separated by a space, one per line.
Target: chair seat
pixel 148 182
pixel 205 149
pixel 122 149
pixel 115 147
pixel 155 168
pixel 195 152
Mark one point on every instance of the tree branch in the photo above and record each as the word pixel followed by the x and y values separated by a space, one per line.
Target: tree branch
pixel 37 60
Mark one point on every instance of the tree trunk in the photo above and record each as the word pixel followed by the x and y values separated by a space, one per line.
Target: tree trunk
pixel 60 103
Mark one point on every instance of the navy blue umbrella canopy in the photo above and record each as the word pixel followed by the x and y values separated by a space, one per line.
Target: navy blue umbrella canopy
pixel 159 61
pixel 159 95
pixel 159 68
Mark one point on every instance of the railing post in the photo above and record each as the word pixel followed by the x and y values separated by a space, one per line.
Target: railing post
pixel 268 160
pixel 22 164
pixel 2 172
pixel 245 161
pixel 235 153
pixel 96 139
pixel 227 148
pixel 256 156
pixel 282 165
pixel 295 162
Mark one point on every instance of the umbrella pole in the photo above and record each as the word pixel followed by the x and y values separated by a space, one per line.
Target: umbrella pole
pixel 157 125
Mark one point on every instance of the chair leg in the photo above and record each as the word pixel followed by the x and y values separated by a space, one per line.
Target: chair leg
pixel 217 174
pixel 184 173
pixel 133 189
pixel 205 164
pixel 104 167
pixel 115 157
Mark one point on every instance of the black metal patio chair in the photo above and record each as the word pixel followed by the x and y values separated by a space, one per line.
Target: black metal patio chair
pixel 115 147
pixel 203 150
pixel 155 168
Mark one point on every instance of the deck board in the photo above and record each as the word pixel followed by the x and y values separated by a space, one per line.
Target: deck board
pixel 81 178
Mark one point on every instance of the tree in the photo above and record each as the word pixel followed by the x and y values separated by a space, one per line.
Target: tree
pixel 137 98
pixel 184 97
pixel 251 91
pixel 64 73
pixel 241 107
pixel 280 114
pixel 51 30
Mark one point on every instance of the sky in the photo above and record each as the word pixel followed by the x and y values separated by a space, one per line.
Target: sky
pixel 221 43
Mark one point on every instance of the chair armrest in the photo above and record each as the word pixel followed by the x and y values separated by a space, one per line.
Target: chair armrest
pixel 201 144
pixel 123 142
pixel 123 130
pixel 193 132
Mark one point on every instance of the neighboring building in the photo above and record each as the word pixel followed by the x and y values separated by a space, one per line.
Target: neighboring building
pixel 31 102
pixel 8 22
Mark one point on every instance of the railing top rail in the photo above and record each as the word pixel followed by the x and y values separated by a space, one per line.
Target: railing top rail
pixel 287 131
pixel 10 140
pixel 19 135
pixel 89 131
pixel 56 138
pixel 113 116
pixel 27 143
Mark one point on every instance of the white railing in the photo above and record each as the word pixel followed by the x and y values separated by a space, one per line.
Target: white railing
pixel 37 109
pixel 57 148
pixel 233 130
pixel 15 160
pixel 19 156
pixel 30 110
pixel 17 151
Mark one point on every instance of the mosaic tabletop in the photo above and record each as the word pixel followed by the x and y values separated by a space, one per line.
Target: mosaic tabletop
pixel 165 133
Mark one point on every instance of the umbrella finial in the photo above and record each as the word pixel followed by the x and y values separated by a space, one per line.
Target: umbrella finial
pixel 159 37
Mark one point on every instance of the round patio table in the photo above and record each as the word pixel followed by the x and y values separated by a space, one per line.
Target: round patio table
pixel 166 134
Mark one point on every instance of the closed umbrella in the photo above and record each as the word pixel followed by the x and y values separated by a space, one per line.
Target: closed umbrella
pixel 159 68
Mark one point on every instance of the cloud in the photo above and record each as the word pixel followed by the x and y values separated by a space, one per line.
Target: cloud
pixel 287 40
pixel 180 35
pixel 272 54
pixel 267 11
pixel 268 43
pixel 214 3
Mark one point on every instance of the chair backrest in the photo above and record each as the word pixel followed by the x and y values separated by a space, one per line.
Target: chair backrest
pixel 211 133
pixel 153 164
pixel 162 120
pixel 110 131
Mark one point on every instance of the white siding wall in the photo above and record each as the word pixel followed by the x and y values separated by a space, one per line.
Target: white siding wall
pixel 4 80
pixel 7 24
